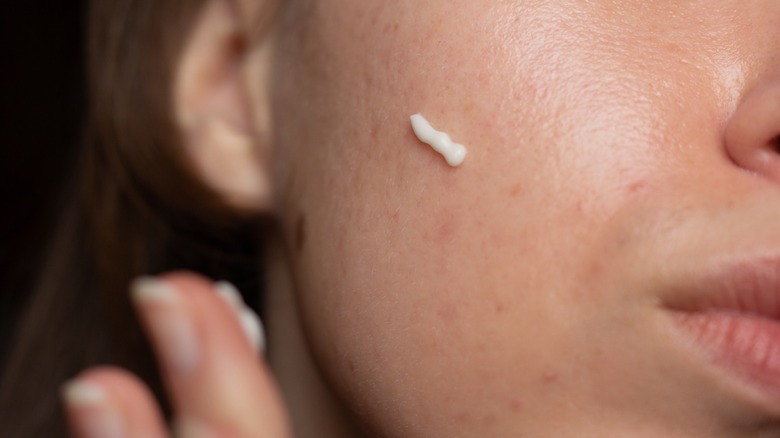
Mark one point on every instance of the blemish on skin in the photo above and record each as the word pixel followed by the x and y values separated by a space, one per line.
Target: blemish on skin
pixel 300 233
pixel 636 186
pixel 516 191
pixel 593 272
pixel 341 243
pixel 374 132
pixel 448 312
pixel 445 229
pixel 489 420
pixel 550 377
pixel 463 418
pixel 391 28
pixel 516 405
pixel 436 347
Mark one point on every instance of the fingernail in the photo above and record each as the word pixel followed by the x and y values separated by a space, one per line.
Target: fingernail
pixel 170 325
pixel 253 329
pixel 190 428
pixel 250 322
pixel 228 292
pixel 94 417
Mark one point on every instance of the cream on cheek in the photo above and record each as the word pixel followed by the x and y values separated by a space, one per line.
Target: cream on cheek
pixel 441 142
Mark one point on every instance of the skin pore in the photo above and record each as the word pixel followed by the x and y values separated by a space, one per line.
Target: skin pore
pixel 622 157
pixel 529 290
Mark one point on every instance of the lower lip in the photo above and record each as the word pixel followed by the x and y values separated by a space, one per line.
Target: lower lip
pixel 747 345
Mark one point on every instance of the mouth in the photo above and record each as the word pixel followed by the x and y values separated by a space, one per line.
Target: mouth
pixel 734 316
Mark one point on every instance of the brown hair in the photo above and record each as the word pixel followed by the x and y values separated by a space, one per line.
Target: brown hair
pixel 135 208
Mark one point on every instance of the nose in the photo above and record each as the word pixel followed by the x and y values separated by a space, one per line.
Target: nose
pixel 752 134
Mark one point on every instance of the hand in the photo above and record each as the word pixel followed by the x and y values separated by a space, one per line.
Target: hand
pixel 217 383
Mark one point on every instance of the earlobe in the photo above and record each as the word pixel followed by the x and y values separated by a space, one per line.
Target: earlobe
pixel 215 110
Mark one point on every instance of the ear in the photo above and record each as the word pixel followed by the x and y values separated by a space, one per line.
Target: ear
pixel 223 120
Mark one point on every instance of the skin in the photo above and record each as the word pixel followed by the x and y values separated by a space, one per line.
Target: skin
pixel 616 151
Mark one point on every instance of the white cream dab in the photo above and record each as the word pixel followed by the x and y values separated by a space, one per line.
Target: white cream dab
pixel 453 152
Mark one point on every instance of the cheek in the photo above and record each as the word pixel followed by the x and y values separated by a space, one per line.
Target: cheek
pixel 407 267
pixel 406 288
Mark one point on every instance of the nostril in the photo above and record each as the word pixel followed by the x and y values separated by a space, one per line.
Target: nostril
pixel 752 135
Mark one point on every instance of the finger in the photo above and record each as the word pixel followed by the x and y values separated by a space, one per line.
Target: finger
pixel 111 403
pixel 250 322
pixel 213 374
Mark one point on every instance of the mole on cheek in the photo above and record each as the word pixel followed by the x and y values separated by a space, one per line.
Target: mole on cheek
pixel 300 233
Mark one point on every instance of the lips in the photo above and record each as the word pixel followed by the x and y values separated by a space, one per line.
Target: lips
pixel 734 315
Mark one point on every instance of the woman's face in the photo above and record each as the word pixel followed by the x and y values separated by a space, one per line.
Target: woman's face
pixel 585 271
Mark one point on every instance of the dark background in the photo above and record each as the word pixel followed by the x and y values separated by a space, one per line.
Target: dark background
pixel 40 126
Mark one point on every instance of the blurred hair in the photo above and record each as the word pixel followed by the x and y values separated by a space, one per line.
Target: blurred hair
pixel 135 207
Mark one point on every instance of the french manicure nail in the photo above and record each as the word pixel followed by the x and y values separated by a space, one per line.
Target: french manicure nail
pixel 253 329
pixel 171 327
pixel 95 418
pixel 228 292
pixel 250 322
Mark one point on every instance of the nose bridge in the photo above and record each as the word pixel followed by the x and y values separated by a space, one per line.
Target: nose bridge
pixel 752 134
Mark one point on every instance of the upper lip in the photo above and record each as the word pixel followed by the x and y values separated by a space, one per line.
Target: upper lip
pixel 744 284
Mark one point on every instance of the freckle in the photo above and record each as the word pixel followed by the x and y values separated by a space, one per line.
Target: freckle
pixel 500 308
pixel 391 28
pixel 300 233
pixel 516 191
